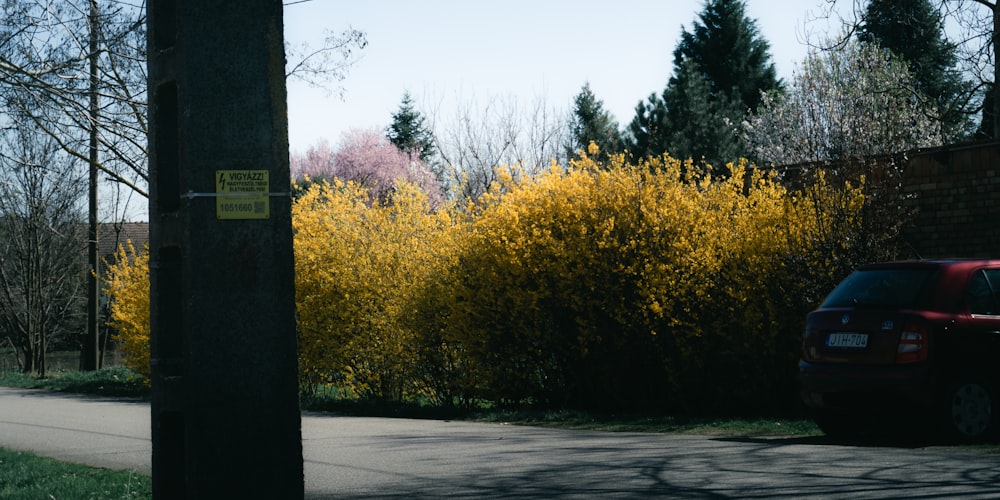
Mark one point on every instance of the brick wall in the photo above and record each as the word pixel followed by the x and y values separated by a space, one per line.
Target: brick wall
pixel 955 191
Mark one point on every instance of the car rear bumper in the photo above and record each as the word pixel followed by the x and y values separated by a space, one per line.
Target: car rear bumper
pixel 841 386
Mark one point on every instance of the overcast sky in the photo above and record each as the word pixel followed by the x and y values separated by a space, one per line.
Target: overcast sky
pixel 449 51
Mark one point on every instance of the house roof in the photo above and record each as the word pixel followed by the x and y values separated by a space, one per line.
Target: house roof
pixel 111 235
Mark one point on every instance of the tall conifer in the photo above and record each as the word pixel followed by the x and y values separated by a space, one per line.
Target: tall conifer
pixel 720 68
pixel 409 132
pixel 591 122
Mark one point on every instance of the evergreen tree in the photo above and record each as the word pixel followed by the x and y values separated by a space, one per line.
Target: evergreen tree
pixel 409 132
pixel 700 123
pixel 647 131
pixel 720 69
pixel 591 122
pixel 914 31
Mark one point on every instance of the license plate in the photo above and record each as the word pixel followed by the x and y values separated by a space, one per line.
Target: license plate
pixel 847 340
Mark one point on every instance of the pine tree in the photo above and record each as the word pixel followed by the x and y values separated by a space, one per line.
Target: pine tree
pixel 700 123
pixel 727 48
pixel 720 69
pixel 409 132
pixel 914 31
pixel 591 122
pixel 647 132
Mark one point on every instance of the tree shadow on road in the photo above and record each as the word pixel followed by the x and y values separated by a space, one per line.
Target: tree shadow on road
pixel 903 441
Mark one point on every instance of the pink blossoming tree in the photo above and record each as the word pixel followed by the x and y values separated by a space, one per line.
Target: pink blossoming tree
pixel 367 157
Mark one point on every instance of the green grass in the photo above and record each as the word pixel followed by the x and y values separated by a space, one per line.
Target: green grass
pixel 710 426
pixel 326 399
pixel 27 476
pixel 116 381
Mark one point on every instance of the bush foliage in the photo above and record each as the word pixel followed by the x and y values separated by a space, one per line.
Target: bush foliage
pixel 127 284
pixel 600 285
pixel 358 262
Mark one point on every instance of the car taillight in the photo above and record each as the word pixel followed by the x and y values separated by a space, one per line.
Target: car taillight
pixel 912 345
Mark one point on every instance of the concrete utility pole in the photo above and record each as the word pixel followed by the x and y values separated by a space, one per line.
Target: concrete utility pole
pixel 225 415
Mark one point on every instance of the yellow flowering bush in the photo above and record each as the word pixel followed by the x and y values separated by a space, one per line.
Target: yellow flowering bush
pixel 634 285
pixel 358 262
pixel 555 278
pixel 770 249
pixel 127 285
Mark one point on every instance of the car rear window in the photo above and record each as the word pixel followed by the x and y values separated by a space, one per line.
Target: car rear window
pixel 896 288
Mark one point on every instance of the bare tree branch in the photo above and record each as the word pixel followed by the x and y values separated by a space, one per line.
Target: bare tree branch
pixel 328 64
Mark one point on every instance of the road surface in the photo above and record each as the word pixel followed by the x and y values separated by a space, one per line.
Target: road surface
pixel 354 457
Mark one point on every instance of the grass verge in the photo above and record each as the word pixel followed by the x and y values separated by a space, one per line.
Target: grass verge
pixel 115 381
pixel 27 476
pixel 709 426
pixel 334 402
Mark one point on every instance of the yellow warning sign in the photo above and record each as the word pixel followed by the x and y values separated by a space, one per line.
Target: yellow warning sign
pixel 242 194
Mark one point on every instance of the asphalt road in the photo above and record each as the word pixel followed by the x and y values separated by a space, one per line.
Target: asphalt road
pixel 350 457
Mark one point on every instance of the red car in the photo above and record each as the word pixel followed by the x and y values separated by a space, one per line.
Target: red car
pixel 899 336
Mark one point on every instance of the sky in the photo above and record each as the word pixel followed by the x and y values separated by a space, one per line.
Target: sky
pixel 447 52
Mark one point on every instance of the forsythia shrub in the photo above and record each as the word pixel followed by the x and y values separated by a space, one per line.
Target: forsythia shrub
pixel 560 277
pixel 649 285
pixel 767 247
pixel 358 262
pixel 127 285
